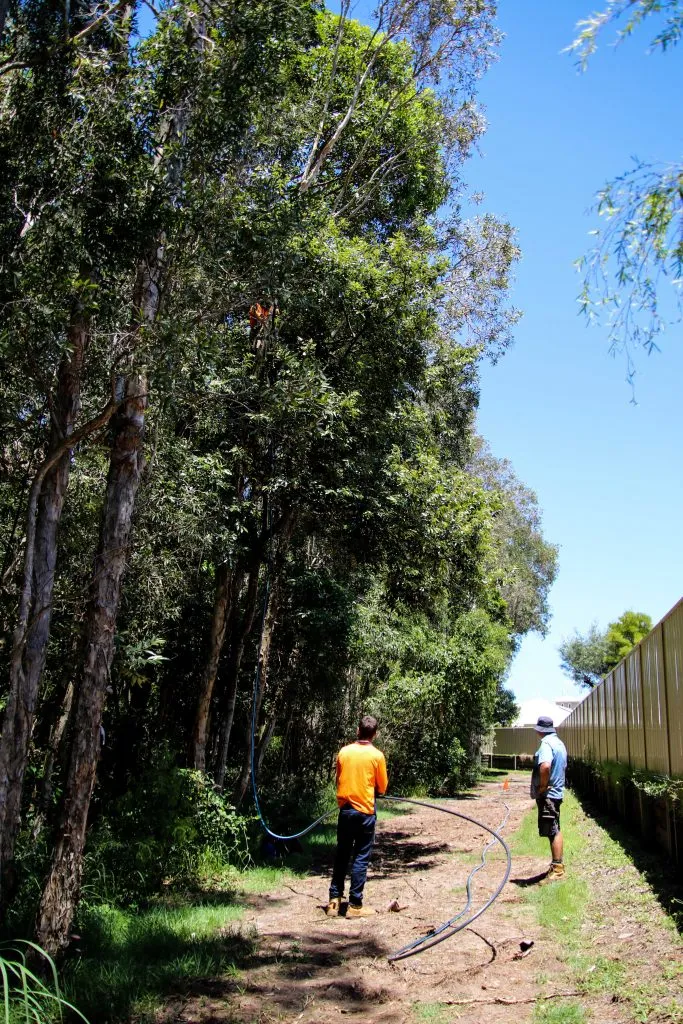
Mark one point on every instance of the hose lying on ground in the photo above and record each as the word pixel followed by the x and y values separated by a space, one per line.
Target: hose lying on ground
pixel 449 927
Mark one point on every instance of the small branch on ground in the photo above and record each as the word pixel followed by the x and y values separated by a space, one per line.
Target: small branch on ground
pixel 297 893
pixel 501 1000
pixel 487 941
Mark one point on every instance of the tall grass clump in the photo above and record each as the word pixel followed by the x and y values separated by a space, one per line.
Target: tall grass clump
pixel 26 994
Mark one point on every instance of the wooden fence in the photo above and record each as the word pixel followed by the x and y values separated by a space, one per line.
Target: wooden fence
pixel 634 718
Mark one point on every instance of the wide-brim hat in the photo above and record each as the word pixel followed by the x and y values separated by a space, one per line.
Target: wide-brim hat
pixel 544 725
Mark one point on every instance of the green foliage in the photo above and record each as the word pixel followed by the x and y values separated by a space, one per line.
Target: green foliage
pixel 623 635
pixel 26 994
pixel 636 11
pixel 584 658
pixel 587 658
pixel 432 686
pixel 505 709
pixel 655 784
pixel 638 251
pixel 160 833
pixel 523 563
pixel 280 156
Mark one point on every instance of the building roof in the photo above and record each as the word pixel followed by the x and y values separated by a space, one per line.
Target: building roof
pixel 531 710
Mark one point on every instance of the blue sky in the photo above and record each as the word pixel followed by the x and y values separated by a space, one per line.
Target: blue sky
pixel 607 473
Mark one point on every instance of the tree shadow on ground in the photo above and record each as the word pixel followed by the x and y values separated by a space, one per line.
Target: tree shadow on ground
pixel 288 971
pixel 657 870
pixel 124 962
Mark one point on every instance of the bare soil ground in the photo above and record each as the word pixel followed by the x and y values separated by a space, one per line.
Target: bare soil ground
pixel 314 970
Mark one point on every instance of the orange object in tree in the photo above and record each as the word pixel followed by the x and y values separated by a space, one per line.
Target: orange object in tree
pixel 259 315
pixel 361 771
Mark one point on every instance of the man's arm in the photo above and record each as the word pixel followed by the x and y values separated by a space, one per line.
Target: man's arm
pixel 545 760
pixel 544 778
pixel 381 778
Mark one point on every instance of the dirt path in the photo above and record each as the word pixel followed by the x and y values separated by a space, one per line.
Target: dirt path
pixel 315 970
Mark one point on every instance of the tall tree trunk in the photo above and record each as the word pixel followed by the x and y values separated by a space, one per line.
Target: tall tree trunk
pixel 223 608
pixel 227 713
pixel 284 530
pixel 54 747
pixel 269 620
pixel 62 888
pixel 30 642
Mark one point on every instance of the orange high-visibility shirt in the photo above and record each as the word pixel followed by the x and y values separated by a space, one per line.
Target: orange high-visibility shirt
pixel 361 770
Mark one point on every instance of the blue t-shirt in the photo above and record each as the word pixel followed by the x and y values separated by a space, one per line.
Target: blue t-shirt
pixel 552 751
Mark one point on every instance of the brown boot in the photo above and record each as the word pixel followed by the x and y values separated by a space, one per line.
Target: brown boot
pixel 360 911
pixel 333 907
pixel 555 873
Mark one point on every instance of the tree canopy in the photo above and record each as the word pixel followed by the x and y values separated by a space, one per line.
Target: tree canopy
pixel 588 657
pixel 240 347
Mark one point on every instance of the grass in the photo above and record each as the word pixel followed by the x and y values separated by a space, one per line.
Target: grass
pixel 434 1013
pixel 127 962
pixel 570 910
pixel 559 1013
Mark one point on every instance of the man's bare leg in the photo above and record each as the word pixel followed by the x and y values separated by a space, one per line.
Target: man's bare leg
pixel 557 848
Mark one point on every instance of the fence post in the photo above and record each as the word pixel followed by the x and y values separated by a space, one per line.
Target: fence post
pixel 628 717
pixel 670 825
pixel 641 696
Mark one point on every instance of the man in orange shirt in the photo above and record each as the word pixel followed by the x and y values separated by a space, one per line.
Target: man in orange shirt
pixel 361 774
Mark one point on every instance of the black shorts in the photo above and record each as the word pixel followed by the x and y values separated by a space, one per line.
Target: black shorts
pixel 548 816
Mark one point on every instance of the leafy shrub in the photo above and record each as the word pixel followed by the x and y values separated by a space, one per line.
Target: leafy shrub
pixel 165 830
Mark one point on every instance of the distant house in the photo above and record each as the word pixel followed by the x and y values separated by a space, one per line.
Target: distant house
pixel 568 702
pixel 520 739
pixel 531 710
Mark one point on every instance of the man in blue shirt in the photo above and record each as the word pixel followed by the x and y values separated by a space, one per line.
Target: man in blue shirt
pixel 547 789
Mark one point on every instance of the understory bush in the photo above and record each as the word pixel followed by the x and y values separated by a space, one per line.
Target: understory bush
pixel 168 829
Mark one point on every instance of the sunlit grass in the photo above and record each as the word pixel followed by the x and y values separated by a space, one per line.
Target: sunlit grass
pixel 129 962
pixel 431 1013
pixel 559 1013
pixel 567 909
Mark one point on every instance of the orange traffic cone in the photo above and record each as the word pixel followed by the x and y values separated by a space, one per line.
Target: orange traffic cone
pixel 506 785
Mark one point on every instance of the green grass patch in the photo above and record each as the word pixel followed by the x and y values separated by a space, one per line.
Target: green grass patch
pixel 127 963
pixel 558 1013
pixel 566 909
pixel 434 1013
pixel 598 973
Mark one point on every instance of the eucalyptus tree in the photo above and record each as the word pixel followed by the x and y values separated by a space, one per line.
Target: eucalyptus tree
pixel 64 253
pixel 200 59
pixel 375 168
pixel 638 250
pixel 523 563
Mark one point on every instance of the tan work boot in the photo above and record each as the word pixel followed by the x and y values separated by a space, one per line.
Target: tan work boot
pixel 333 908
pixel 360 911
pixel 555 873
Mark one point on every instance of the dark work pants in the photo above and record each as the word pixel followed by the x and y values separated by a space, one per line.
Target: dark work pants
pixel 355 836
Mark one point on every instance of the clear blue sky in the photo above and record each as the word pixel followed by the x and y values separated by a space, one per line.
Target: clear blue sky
pixel 607 473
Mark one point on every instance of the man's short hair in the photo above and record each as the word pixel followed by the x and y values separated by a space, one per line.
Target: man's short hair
pixel 367 727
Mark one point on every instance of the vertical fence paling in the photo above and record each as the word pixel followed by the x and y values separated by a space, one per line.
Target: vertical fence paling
pixel 673 662
pixel 634 716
